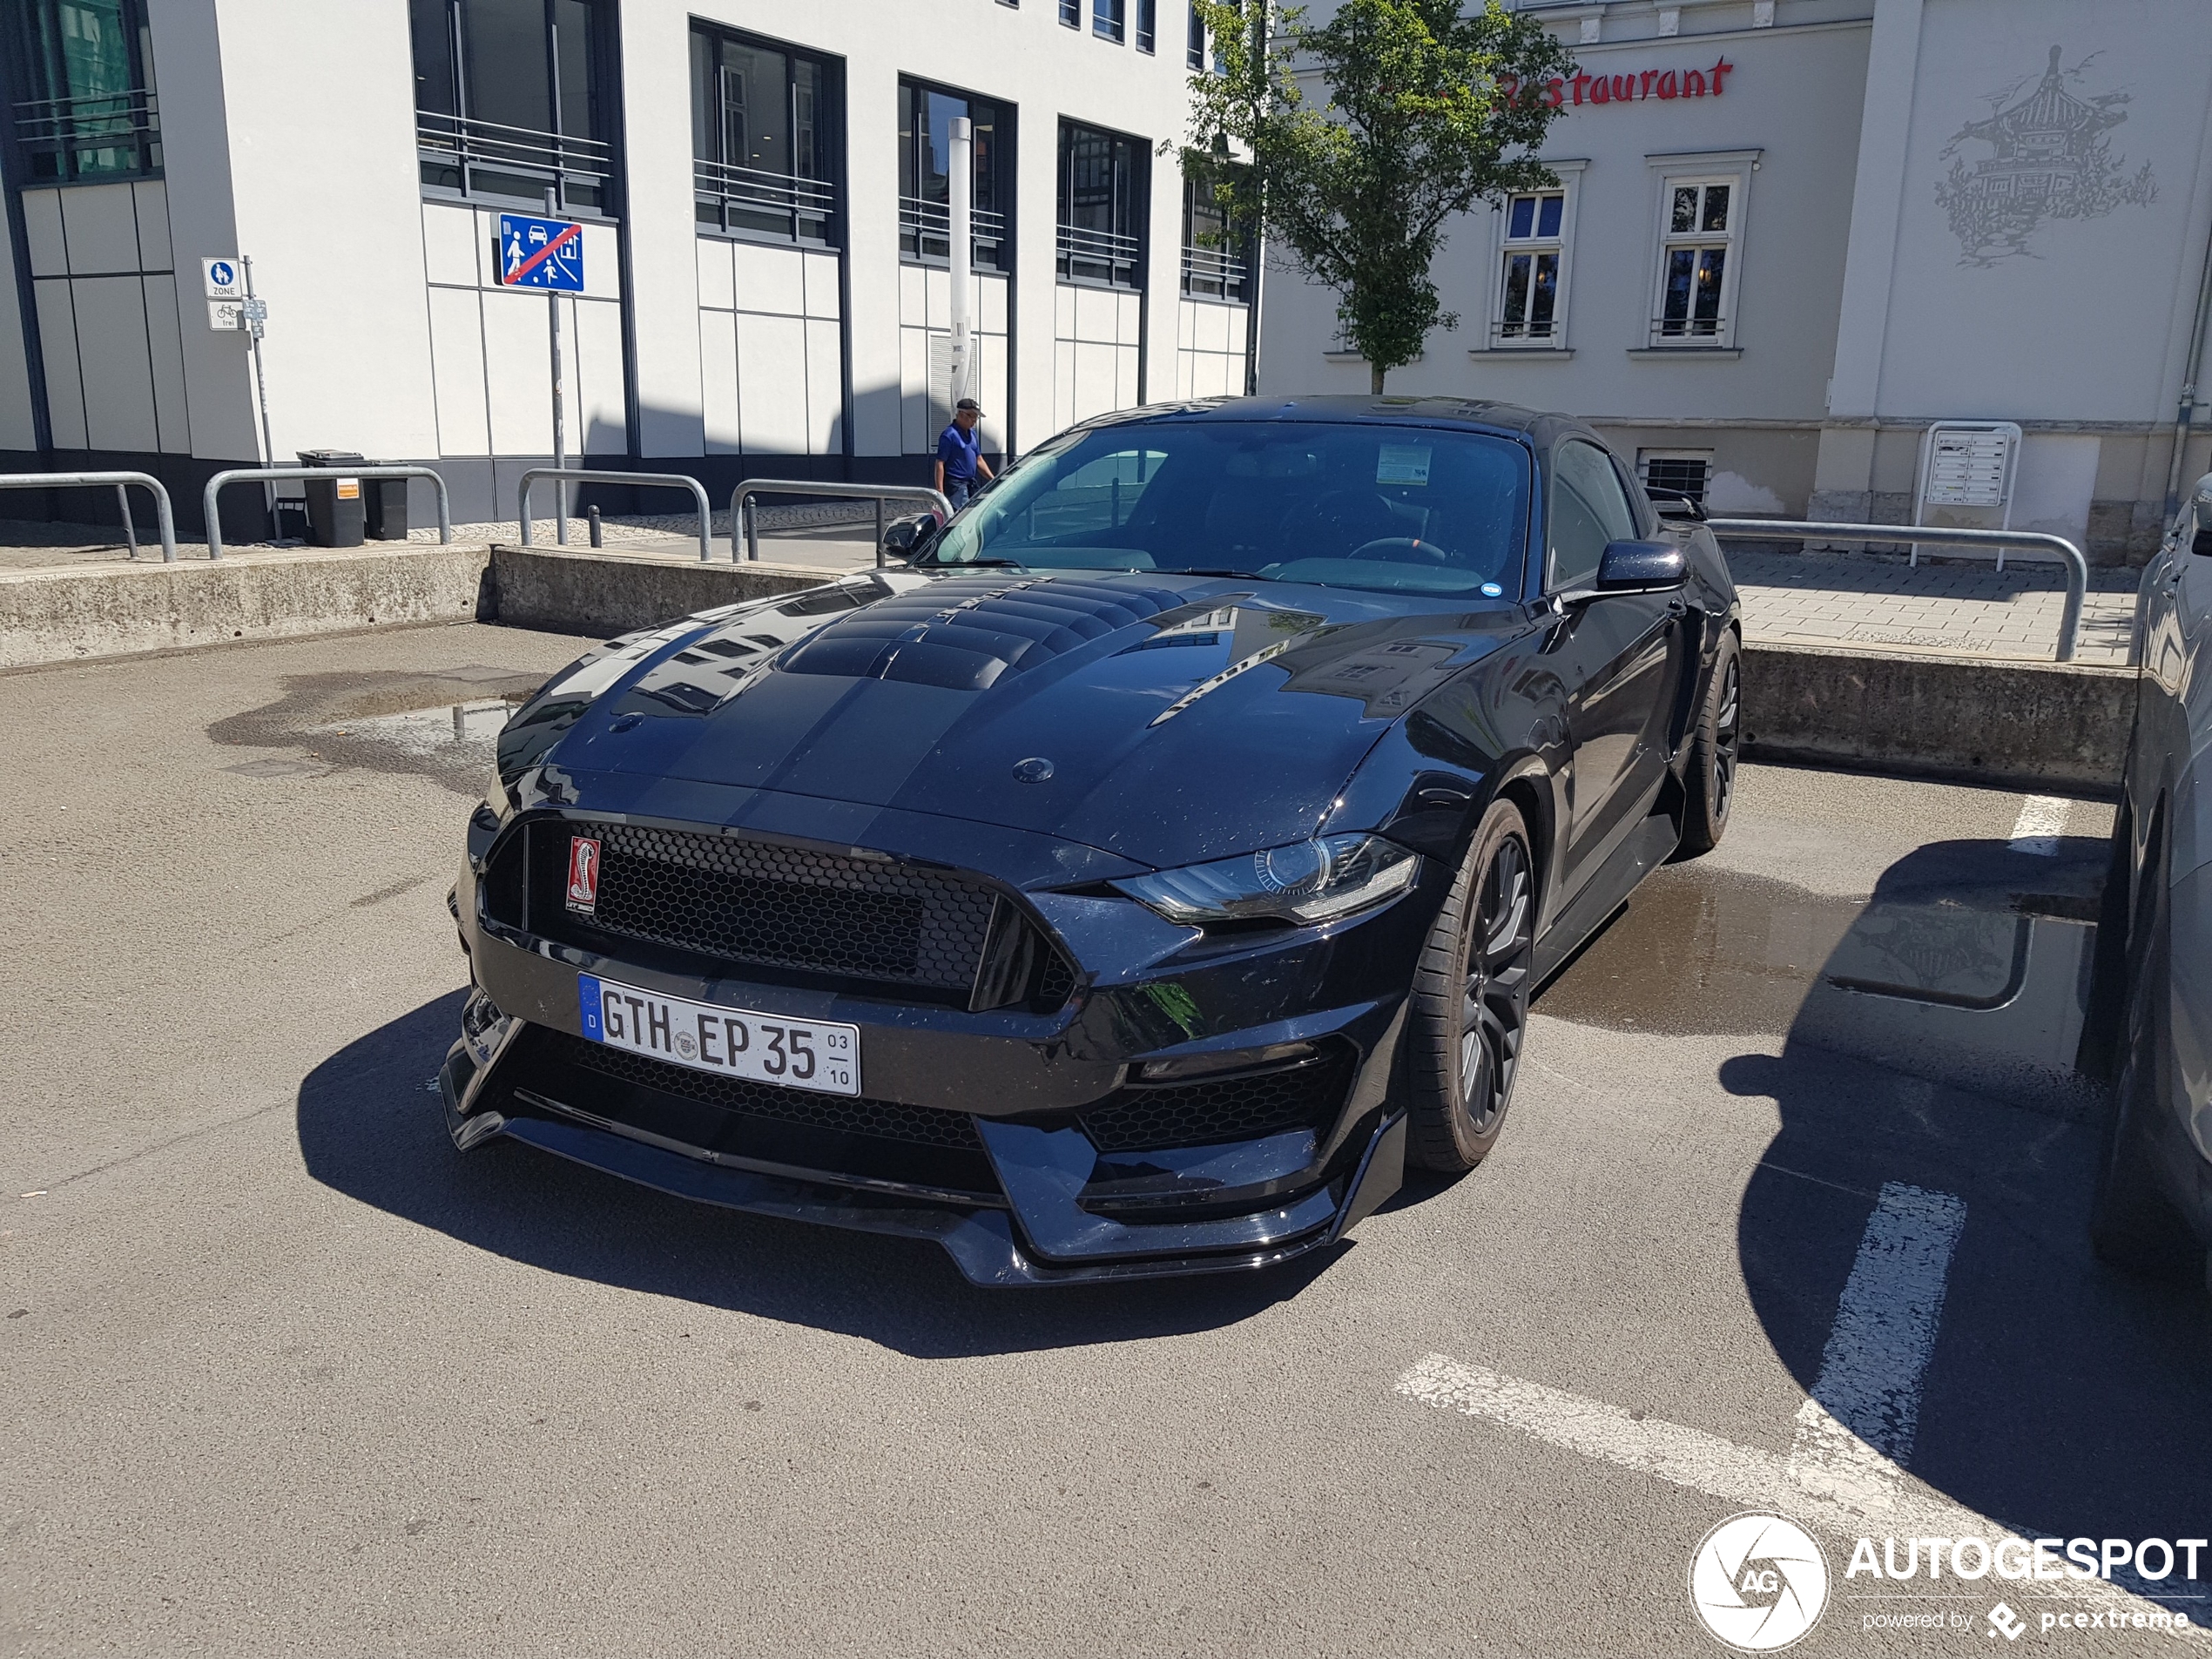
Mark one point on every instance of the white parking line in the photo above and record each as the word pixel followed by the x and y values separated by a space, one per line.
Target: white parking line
pixel 1855 1431
pixel 1844 1474
pixel 2042 820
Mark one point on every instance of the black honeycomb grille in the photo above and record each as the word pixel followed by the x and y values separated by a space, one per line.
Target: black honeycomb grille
pixel 1218 1110
pixel 784 907
pixel 884 1119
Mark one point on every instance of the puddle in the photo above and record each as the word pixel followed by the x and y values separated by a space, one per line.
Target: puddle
pixel 1958 981
pixel 444 726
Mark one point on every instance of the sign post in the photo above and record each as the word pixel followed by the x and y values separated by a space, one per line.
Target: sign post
pixel 960 180
pixel 232 305
pixel 546 253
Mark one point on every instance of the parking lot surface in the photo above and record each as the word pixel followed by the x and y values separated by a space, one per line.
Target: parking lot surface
pixel 285 1373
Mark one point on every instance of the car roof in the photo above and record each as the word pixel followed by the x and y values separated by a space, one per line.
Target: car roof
pixel 1537 426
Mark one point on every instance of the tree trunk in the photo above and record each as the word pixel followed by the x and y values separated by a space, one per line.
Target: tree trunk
pixel 1375 373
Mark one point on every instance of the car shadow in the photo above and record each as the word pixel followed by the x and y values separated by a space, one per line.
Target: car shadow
pixel 370 1126
pixel 1934 1048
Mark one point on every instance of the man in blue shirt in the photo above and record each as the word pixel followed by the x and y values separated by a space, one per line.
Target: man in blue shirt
pixel 961 466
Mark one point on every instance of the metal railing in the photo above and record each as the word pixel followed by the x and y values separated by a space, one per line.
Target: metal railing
pixel 328 475
pixel 485 158
pixel 774 204
pixel 93 480
pixel 2033 542
pixel 594 475
pixel 925 233
pixel 1103 257
pixel 1210 274
pixel 62 131
pixel 879 493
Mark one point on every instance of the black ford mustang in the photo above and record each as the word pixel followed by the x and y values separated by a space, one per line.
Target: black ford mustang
pixel 1136 881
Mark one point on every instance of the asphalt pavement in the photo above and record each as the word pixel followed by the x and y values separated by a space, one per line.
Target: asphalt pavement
pixel 1798 1150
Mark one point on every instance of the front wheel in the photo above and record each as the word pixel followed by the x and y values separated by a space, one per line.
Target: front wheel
pixel 1708 790
pixel 1470 1003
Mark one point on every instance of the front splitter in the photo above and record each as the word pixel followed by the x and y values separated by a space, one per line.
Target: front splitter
pixel 982 1242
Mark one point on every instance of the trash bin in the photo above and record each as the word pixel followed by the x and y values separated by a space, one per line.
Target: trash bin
pixel 336 513
pixel 385 500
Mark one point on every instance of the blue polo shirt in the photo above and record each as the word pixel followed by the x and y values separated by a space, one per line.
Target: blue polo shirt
pixel 959 450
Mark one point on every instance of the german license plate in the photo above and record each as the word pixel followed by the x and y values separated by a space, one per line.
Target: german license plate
pixel 735 1043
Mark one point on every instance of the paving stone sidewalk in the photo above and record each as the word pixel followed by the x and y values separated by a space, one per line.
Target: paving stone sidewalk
pixel 1952 606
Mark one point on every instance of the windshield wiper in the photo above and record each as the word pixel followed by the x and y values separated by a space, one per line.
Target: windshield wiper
pixel 971 565
pixel 1203 569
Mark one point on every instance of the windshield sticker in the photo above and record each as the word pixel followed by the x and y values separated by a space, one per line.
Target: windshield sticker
pixel 1402 463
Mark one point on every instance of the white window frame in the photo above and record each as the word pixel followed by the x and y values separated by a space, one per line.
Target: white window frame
pixel 1503 244
pixel 1733 168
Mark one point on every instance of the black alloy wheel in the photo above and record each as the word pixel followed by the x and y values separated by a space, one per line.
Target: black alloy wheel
pixel 1470 1014
pixel 1709 795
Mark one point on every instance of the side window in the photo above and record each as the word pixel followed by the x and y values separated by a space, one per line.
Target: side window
pixel 1589 509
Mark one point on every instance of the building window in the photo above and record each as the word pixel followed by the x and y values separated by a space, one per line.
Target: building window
pixel 1194 49
pixel 1701 234
pixel 1071 13
pixel 511 98
pixel 1103 188
pixel 1106 19
pixel 764 139
pixel 1531 263
pixel 1214 265
pixel 925 117
pixel 1675 472
pixel 88 69
pixel 1147 18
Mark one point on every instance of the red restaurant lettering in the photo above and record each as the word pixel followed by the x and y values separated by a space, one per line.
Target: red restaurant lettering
pixel 1631 88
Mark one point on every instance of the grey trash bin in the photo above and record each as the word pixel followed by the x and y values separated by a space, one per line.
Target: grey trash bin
pixel 386 502
pixel 336 511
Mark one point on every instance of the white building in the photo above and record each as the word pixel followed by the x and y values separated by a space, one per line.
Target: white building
pixel 763 195
pixel 1789 234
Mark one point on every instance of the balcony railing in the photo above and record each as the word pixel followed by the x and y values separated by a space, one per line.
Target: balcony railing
pixel 476 158
pixel 1104 258
pixel 747 201
pixel 926 234
pixel 1208 273
pixel 109 135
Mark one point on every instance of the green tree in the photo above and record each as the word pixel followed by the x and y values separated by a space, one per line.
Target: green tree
pixel 1427 112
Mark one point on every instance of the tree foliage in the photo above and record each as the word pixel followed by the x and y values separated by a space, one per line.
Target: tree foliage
pixel 1426 112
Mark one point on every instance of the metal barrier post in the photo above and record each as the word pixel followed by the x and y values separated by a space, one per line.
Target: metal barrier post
pixel 146 481
pixel 595 476
pixel 2050 547
pixel 129 530
pixel 274 475
pixel 742 499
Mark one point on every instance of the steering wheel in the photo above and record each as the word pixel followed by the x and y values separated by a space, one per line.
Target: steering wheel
pixel 1400 549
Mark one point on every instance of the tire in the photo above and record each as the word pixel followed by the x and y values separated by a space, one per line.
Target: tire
pixel 1469 1014
pixel 1708 782
pixel 2133 1224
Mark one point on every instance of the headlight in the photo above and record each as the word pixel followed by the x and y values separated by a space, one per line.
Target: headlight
pixel 1309 881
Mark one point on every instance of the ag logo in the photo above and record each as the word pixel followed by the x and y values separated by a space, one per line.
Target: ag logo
pixel 1758 1582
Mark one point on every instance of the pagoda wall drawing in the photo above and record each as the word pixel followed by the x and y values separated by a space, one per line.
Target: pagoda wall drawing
pixel 2049 158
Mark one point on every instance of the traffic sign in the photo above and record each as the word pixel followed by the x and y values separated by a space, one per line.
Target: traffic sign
pixel 541 253
pixel 225 277
pixel 225 316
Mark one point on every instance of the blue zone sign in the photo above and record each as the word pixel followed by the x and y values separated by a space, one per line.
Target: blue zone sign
pixel 541 253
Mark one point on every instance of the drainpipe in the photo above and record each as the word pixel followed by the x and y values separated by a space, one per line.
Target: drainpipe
pixel 960 169
pixel 2189 365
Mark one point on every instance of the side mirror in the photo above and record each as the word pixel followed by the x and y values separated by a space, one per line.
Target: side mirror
pixel 903 535
pixel 1642 567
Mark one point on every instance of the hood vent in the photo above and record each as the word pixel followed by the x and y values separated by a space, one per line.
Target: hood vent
pixel 966 633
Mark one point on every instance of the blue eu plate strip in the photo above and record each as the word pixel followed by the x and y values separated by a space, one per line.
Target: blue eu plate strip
pixel 587 997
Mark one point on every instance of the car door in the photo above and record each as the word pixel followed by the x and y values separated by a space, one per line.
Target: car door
pixel 1617 653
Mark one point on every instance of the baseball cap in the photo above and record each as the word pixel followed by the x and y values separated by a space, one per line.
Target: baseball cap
pixel 968 403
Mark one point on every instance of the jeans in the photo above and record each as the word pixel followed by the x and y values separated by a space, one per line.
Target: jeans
pixel 957 490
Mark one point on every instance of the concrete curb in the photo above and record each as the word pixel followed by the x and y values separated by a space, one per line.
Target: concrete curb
pixel 64 615
pixel 569 591
pixel 2017 725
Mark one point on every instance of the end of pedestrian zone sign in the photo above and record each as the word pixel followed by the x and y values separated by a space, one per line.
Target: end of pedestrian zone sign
pixel 540 253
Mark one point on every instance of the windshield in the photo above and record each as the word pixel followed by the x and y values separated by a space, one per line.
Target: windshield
pixel 1410 510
